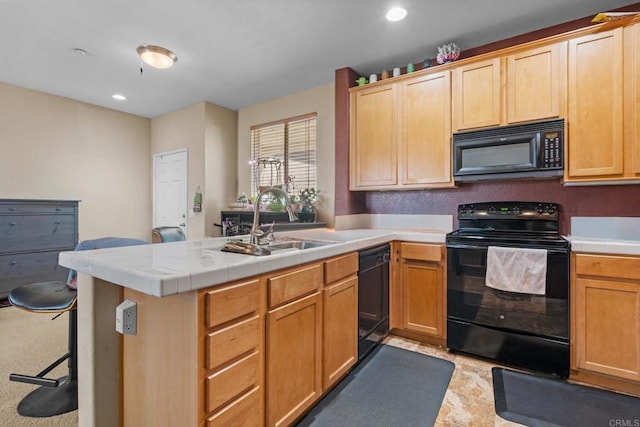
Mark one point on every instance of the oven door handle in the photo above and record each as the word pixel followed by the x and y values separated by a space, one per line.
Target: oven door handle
pixel 474 247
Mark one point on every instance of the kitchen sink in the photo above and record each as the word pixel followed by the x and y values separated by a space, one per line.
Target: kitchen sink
pixel 298 244
pixel 242 247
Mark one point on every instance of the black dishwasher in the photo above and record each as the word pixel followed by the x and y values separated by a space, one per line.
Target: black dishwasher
pixel 373 297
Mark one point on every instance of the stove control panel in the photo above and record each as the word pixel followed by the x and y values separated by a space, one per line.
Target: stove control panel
pixel 509 210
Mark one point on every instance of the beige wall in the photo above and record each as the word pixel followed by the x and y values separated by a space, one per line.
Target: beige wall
pixel 209 133
pixel 320 100
pixel 58 148
pixel 221 181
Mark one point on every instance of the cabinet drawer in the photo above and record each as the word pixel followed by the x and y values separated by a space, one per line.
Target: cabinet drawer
pixel 37 232
pixel 228 343
pixel 292 285
pixel 232 381
pixel 243 412
pixel 421 252
pixel 39 208
pixel 19 269
pixel 232 302
pixel 608 266
pixel 341 267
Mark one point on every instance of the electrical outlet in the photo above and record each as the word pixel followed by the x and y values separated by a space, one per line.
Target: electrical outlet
pixel 126 318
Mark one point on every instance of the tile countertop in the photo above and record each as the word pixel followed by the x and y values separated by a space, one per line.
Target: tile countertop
pixel 605 235
pixel 171 268
pixel 604 246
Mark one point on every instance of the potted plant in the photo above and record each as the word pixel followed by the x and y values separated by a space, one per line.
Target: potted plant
pixel 308 198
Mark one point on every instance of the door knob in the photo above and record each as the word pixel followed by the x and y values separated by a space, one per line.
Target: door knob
pixel 182 225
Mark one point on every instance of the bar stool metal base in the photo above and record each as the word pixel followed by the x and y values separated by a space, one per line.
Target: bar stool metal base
pixel 49 401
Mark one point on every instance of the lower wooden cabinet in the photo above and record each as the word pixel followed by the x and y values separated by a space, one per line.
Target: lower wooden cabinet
pixel 294 359
pixel 606 320
pixel 422 290
pixel 255 352
pixel 340 330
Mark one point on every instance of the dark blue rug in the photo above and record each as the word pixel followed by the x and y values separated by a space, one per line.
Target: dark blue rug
pixel 391 387
pixel 544 402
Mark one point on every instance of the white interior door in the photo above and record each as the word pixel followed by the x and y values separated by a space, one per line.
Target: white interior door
pixel 170 200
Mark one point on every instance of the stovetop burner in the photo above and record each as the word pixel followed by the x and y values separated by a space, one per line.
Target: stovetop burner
pixel 532 224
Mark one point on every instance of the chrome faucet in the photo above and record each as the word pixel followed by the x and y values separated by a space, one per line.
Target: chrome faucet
pixel 256 233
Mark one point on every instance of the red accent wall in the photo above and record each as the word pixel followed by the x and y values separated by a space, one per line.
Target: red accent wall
pixel 615 200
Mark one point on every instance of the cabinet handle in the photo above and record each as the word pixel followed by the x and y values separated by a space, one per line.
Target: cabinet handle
pixel 58 208
pixel 12 224
pixel 12 209
pixel 13 263
pixel 56 222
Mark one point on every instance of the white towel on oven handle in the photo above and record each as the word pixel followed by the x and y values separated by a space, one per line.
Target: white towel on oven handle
pixel 521 270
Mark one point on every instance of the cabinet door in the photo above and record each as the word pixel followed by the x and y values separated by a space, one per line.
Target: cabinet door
pixel 595 101
pixel 533 84
pixel 477 95
pixel 374 137
pixel 608 327
pixel 340 334
pixel 294 359
pixel 423 297
pixel 426 129
pixel 632 100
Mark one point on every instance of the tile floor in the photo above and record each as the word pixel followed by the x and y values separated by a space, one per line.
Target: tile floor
pixel 469 398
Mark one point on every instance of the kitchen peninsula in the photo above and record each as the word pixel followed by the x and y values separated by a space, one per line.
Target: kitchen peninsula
pixel 185 292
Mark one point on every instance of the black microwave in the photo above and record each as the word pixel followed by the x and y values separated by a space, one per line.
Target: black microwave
pixel 523 151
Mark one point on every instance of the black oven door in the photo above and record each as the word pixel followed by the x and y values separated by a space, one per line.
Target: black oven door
pixel 469 300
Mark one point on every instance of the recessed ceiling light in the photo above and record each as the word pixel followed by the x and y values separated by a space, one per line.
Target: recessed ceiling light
pixel 396 14
pixel 119 97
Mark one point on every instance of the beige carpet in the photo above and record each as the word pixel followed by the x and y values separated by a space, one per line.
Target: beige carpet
pixel 29 342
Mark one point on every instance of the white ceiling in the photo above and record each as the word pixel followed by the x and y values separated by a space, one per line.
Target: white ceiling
pixel 236 53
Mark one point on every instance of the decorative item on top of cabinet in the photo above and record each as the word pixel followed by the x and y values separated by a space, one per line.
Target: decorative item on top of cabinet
pixel 448 53
pixel 605 321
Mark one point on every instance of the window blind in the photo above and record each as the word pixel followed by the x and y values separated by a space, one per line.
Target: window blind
pixel 291 141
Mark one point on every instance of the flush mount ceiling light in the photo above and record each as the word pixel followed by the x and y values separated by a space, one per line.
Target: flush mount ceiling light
pixel 396 14
pixel 156 56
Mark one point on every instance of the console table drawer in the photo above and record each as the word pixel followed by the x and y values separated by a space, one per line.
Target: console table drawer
pixel 37 232
pixel 36 208
pixel 19 269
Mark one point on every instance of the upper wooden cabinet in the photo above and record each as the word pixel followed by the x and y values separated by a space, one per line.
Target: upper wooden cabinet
pixel 595 105
pixel 374 137
pixel 526 85
pixel 604 88
pixel 425 122
pixel 477 94
pixel 535 83
pixel 401 133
